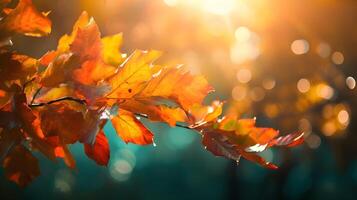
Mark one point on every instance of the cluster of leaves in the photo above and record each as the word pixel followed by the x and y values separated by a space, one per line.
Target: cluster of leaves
pixel 70 93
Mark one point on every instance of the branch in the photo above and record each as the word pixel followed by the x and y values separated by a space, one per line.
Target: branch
pixel 177 125
pixel 80 101
pixel 35 95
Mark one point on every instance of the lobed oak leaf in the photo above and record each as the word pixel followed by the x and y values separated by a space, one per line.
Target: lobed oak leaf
pixel 70 123
pixel 132 75
pixel 177 84
pixel 60 120
pixel 99 151
pixel 233 138
pixel 77 61
pixel 59 70
pixel 25 19
pixel 92 71
pixel 21 166
pixel 131 129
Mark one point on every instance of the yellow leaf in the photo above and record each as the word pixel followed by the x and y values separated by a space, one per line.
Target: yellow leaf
pixel 110 52
pixel 132 75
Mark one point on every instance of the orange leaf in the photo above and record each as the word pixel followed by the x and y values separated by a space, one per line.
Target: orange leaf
pixel 87 43
pixel 179 85
pixel 59 70
pixel 130 129
pixel 66 40
pixel 25 19
pixel 204 114
pixel 158 113
pixel 99 151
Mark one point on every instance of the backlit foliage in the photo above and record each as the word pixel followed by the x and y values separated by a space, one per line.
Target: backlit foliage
pixel 69 94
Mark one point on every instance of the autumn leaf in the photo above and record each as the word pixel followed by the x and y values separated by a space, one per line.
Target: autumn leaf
pixel 133 75
pixel 110 49
pixel 178 85
pixel 16 67
pixel 203 114
pixel 8 139
pixel 131 129
pixel 69 124
pixel 59 70
pixel 25 19
pixel 235 138
pixel 21 166
pixel 66 40
pixel 99 151
pixel 157 113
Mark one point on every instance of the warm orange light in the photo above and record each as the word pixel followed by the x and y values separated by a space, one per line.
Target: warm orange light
pixel 303 85
pixel 350 82
pixel 337 58
pixel 299 47
pixel 244 75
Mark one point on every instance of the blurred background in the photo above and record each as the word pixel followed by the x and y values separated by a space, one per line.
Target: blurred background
pixel 292 64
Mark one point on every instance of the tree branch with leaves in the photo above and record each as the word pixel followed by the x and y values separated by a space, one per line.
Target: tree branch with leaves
pixel 69 94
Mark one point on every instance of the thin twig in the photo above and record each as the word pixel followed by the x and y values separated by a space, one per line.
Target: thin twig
pixel 80 101
pixel 35 95
pixel 27 82
pixel 177 125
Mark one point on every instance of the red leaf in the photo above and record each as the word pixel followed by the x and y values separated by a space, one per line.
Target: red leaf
pixel 21 166
pixel 290 140
pixel 99 151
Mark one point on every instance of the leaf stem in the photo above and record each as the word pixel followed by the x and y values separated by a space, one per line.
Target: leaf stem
pixel 177 125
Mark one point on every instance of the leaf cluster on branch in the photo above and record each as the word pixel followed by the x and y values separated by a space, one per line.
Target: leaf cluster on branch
pixel 70 93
